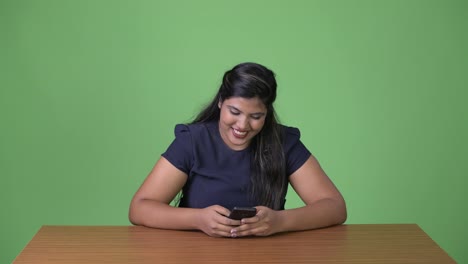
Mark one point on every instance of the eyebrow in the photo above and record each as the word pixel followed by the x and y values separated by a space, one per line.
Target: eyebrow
pixel 236 109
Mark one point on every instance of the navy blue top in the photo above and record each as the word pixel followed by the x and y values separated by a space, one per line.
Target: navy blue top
pixel 216 173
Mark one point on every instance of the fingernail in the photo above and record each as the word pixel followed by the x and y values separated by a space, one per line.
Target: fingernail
pixel 233 235
pixel 233 231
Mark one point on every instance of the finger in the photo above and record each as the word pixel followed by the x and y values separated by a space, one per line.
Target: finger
pixel 259 216
pixel 224 225
pixel 251 231
pixel 244 229
pixel 221 210
pixel 228 221
pixel 225 231
pixel 262 211
pixel 216 229
pixel 220 233
pixel 250 220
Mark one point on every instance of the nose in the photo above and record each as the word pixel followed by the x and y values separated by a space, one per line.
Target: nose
pixel 243 123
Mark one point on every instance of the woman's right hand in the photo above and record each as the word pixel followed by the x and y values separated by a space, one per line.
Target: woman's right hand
pixel 214 221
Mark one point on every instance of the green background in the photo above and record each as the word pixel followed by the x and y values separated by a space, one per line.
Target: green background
pixel 91 91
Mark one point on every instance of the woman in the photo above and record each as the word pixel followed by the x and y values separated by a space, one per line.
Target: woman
pixel 236 154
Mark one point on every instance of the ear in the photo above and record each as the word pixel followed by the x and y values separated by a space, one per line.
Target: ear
pixel 219 104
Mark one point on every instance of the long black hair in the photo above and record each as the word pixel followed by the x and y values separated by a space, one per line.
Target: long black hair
pixel 268 167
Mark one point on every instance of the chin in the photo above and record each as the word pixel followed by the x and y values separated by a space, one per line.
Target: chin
pixel 239 143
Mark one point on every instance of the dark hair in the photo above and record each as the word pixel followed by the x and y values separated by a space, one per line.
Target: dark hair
pixel 268 175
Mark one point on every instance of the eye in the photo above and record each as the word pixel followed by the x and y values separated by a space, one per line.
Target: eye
pixel 234 112
pixel 257 117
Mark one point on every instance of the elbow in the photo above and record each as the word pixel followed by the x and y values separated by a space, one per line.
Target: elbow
pixel 336 211
pixel 133 220
pixel 342 213
pixel 133 213
pixel 342 218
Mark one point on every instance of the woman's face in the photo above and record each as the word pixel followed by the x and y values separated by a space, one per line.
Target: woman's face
pixel 240 120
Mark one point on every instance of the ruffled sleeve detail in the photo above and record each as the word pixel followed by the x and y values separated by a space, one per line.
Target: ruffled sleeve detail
pixel 180 152
pixel 295 151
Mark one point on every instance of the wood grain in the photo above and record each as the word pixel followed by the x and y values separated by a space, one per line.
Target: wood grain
pixel 399 243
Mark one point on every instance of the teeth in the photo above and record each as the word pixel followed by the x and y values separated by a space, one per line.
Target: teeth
pixel 237 132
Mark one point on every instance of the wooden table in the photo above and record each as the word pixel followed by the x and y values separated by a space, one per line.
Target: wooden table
pixel 135 244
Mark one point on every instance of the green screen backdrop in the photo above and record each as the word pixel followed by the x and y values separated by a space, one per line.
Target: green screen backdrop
pixel 91 91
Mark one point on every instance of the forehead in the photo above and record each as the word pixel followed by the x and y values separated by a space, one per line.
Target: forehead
pixel 251 105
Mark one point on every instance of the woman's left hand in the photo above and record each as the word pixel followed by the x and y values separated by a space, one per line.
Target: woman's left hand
pixel 265 223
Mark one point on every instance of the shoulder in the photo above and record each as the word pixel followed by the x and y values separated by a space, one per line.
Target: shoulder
pixel 295 151
pixel 190 129
pixel 292 131
pixel 290 134
pixel 198 134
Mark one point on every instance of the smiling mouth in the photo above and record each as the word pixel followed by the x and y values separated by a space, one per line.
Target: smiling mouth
pixel 239 134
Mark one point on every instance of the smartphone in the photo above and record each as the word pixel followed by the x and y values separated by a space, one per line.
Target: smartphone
pixel 238 213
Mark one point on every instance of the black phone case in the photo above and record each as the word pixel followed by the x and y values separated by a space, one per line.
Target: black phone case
pixel 238 213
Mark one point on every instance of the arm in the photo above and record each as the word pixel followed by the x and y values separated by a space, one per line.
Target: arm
pixel 324 205
pixel 150 205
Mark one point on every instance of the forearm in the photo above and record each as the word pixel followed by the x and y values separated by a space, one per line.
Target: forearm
pixel 156 214
pixel 323 213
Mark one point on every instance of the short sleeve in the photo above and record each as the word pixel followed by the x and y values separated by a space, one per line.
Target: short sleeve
pixel 295 151
pixel 180 153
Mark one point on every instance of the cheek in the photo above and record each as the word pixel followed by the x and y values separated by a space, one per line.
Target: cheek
pixel 257 125
pixel 227 119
